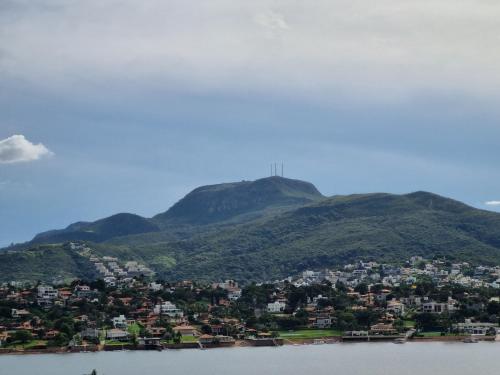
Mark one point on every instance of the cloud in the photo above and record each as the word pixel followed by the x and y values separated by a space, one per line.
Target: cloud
pixel 272 21
pixel 17 149
pixel 388 48
pixel 492 203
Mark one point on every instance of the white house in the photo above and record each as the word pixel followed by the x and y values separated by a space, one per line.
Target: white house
pixel 276 307
pixel 46 292
pixel 476 328
pixel 120 322
pixel 168 308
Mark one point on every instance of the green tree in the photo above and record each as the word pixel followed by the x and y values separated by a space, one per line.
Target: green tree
pixel 22 336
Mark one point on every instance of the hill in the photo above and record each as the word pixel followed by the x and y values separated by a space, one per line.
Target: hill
pixel 335 231
pixel 274 227
pixel 238 201
pixel 100 230
pixel 213 204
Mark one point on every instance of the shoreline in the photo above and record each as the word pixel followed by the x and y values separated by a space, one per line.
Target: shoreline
pixel 246 344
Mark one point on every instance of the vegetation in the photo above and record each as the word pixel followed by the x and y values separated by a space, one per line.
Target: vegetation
pixel 268 229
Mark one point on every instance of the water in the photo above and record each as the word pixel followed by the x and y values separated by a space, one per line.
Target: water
pixel 345 359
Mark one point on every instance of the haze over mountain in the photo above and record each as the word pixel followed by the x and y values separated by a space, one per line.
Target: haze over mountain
pixel 266 229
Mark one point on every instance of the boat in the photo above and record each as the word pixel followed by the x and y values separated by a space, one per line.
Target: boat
pixel 399 341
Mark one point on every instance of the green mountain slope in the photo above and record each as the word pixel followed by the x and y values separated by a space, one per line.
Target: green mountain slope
pixel 338 230
pixel 275 227
pixel 46 263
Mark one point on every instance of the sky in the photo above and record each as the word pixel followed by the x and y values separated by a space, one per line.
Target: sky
pixel 125 106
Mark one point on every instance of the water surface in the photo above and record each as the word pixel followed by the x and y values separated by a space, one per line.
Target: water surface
pixel 345 359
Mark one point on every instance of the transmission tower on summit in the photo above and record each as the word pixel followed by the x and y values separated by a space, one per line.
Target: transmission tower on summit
pixel 274 169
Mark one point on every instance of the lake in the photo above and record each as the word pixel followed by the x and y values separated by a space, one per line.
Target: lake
pixel 346 359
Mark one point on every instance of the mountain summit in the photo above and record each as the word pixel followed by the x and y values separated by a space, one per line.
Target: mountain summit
pixel 239 200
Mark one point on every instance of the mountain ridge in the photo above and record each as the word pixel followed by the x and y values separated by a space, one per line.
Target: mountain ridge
pixel 202 206
pixel 271 228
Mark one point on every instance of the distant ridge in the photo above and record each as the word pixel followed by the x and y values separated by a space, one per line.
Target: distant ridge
pixel 101 230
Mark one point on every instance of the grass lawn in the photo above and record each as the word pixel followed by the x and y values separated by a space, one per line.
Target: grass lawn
pixel 116 343
pixel 28 345
pixel 435 334
pixel 309 334
pixel 189 339
pixel 409 323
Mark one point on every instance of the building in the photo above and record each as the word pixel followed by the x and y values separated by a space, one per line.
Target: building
pixel 438 307
pixel 120 322
pixel 168 308
pixel 117 334
pixel 276 307
pixel 476 328
pixel 395 307
pixel 382 329
pixel 46 295
pixel 185 330
pixel 322 322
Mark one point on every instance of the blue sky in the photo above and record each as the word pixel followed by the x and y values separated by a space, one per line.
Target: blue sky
pixel 125 107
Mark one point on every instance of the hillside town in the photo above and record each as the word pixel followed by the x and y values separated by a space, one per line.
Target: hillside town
pixel 127 308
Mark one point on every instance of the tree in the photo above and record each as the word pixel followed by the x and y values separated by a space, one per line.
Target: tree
pixel 22 336
pixel 177 338
pixel 361 288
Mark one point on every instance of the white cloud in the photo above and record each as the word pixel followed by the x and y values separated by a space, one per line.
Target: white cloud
pixel 493 203
pixel 18 149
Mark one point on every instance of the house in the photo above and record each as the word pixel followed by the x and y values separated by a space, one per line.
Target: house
pixel 155 287
pixel 206 339
pixel 395 307
pixel 46 296
pixel 382 329
pixel 217 329
pixel 157 331
pixel 46 292
pixel 117 334
pixel 276 307
pixel 120 322
pixel 185 330
pixel 169 309
pixel 150 342
pixel 476 328
pixel 84 291
pixel 17 314
pixel 50 335
pixel 322 322
pixel 90 333
pixel 439 308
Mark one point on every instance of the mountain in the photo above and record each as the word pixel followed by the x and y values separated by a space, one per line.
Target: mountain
pixel 100 230
pixel 213 204
pixel 238 201
pixel 268 229
pixel 335 231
